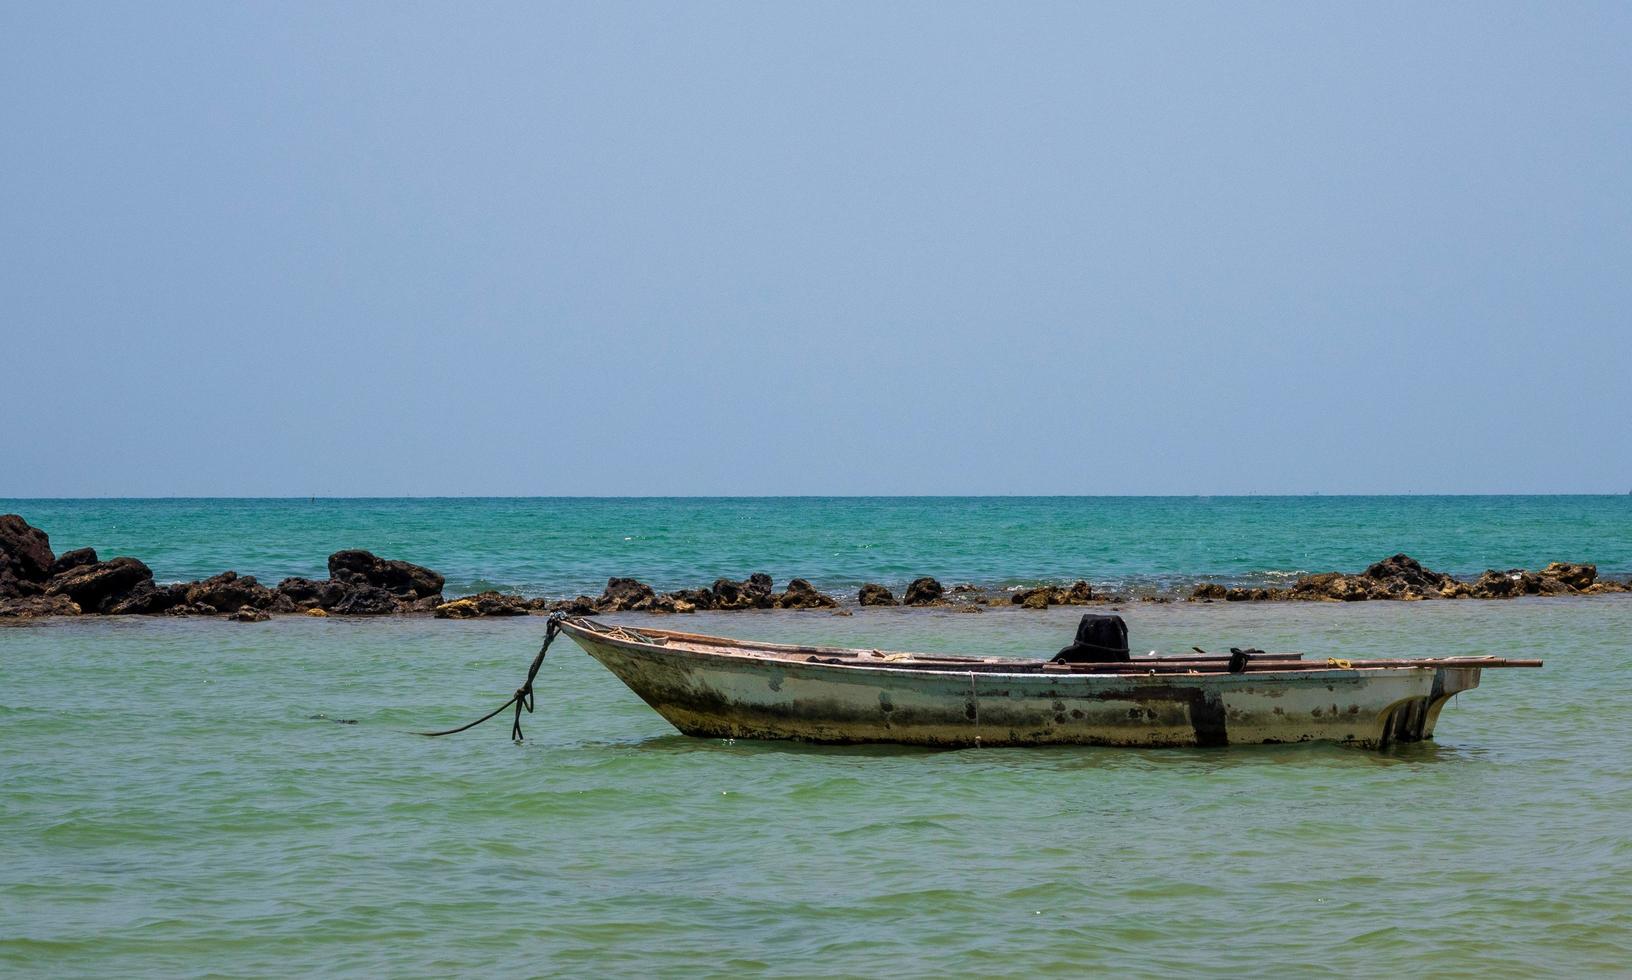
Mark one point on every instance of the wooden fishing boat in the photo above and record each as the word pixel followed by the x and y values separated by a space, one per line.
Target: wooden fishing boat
pixel 716 687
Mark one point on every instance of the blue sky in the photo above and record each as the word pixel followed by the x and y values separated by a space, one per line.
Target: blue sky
pixel 294 249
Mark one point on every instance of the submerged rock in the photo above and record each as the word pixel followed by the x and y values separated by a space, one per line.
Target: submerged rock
pixel 1079 593
pixel 1252 595
pixel 36 606
pixel 1033 598
pixel 249 614
pixel 483 604
pixel 1606 586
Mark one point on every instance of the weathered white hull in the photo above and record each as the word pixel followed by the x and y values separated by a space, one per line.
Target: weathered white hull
pixel 705 693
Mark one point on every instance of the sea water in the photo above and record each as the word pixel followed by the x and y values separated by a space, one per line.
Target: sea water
pixel 566 546
pixel 190 797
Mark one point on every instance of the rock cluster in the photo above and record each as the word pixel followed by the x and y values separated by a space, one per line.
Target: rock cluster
pixel 34 582
pixel 488 604
pixel 1402 577
pixel 1079 593
pixel 757 591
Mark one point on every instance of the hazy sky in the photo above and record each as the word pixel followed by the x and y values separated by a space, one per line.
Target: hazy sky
pixel 596 248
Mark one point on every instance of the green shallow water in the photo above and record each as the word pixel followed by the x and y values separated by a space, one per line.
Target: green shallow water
pixel 171 806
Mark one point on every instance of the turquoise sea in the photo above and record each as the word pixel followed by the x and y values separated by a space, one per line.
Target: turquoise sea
pixel 566 546
pixel 198 797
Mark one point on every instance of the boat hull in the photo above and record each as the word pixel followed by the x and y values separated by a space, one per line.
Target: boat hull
pixel 745 697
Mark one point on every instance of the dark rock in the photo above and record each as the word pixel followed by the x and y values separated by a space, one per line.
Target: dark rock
pixel 397 577
pixel 37 606
pixel 230 592
pixel 671 602
pixel 1039 598
pixel 1499 585
pixel 147 599
pixel 922 592
pixel 104 582
pixel 366 600
pixel 754 592
pixel 192 609
pixel 73 559
pixel 249 614
pixel 873 594
pixel 1408 572
pixel 306 593
pixel 1079 594
pixel 1398 577
pixel 625 595
pixel 581 606
pixel 483 604
pixel 1252 595
pixel 25 557
pixel 1209 591
pixel 1578 577
pixel 695 598
pixel 802 595
pixel 1331 587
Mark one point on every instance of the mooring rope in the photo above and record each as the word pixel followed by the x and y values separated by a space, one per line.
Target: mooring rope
pixel 523 698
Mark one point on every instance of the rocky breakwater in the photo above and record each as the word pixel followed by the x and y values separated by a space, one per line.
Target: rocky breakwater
pixel 1078 593
pixel 1403 578
pixel 34 583
pixel 757 591
pixel 361 583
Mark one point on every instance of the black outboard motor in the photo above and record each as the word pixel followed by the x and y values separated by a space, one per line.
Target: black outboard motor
pixel 1100 640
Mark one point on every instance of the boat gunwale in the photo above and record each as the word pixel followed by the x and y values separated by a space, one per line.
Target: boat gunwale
pixel 747 652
